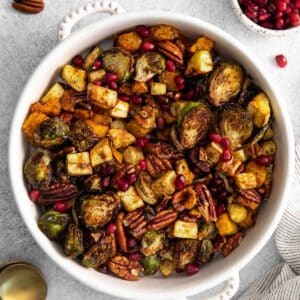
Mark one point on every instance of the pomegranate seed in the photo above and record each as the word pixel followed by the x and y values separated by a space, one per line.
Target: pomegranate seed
pixel 123 185
pixel 143 165
pixel 180 82
pixel 189 95
pixel 148 46
pixel 222 195
pixel 191 269
pixel 61 206
pixel 135 256
pixel 178 270
pixel 281 60
pixel 136 100
pixel 262 160
pixel 251 14
pixel 103 170
pixel 270 158
pixel 96 65
pixel 179 182
pixel 294 18
pixel 220 209
pixel 112 84
pixel 110 170
pixel 142 31
pixel 278 15
pixel 267 24
pixel 77 61
pixel 281 6
pixel 297 4
pixel 132 242
pixel 106 182
pixel 160 123
pixel 111 77
pixel 215 137
pixel 98 82
pixel 131 178
pixel 111 228
pixel 34 195
pixel 170 65
pixel 279 23
pixel 252 6
pixel 225 143
pixel 263 15
pixel 103 269
pixel 142 142
pixel 226 155
pixel 124 97
pixel 165 107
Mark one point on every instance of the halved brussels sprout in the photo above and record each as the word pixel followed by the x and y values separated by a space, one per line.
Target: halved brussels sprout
pixel 148 65
pixel 153 242
pixel 225 82
pixel 144 189
pixel 207 231
pixel 206 252
pixel 97 210
pixel 74 241
pixel 119 61
pixel 185 252
pixel 151 264
pixel 236 124
pixel 53 224
pixel 38 171
pixel 51 133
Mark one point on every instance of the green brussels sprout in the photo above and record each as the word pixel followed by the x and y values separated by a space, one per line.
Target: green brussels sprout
pixel 119 61
pixel 207 230
pixel 74 241
pixel 206 251
pixel 225 83
pixel 185 252
pixel 236 124
pixel 151 264
pixel 38 171
pixel 153 242
pixel 81 136
pixel 268 148
pixel 96 211
pixel 99 253
pixel 53 224
pixel 51 133
pixel 148 65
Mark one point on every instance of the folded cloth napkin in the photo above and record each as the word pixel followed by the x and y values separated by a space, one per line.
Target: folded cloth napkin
pixel 282 282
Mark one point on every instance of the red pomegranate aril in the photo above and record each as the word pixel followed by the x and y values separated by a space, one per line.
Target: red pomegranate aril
pixel 111 228
pixel 189 95
pixel 179 182
pixel 142 142
pixel 170 65
pixel 103 269
pixel 148 46
pixel 281 60
pixel 220 209
pixel 279 23
pixel 142 31
pixel 226 155
pixel 34 195
pixel 191 269
pixel 111 77
pixel 267 24
pixel 123 185
pixel 124 97
pixel 294 18
pixel 262 160
pixel 278 15
pixel 131 178
pixel 263 15
pixel 215 137
pixel 96 65
pixel 110 170
pixel 225 143
pixel 77 61
pixel 160 123
pixel 98 82
pixel 251 14
pixel 252 6
pixel 112 84
pixel 61 207
pixel 131 242
pixel 297 4
pixel 165 107
pixel 222 195
pixel 281 5
pixel 143 165
pixel 106 182
pixel 136 100
pixel 135 256
pixel 180 82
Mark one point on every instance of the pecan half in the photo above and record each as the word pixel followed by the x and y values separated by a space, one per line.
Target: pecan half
pixel 62 152
pixel 170 50
pixel 58 192
pixel 137 223
pixel 125 268
pixel 184 199
pixel 188 218
pixel 248 198
pixel 29 6
pixel 232 242
pixel 162 220
pixel 120 232
pixel 163 150
pixel 157 166
pixel 218 243
pixel 163 204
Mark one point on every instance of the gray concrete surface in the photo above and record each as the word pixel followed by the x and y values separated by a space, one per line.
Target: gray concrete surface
pixel 25 39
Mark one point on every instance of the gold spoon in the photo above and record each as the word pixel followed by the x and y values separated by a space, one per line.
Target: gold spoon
pixel 21 281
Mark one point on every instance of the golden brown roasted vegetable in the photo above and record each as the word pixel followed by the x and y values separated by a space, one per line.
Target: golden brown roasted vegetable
pixel 200 63
pixel 101 153
pixel 163 32
pixel 237 212
pixel 225 225
pixel 202 43
pixel 129 41
pixel 75 78
pixel 101 96
pixel 91 58
pixel 120 138
pixel 130 199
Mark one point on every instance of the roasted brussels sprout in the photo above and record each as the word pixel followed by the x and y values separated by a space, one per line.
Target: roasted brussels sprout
pixel 119 61
pixel 151 264
pixel 148 65
pixel 81 136
pixel 167 267
pixel 185 252
pixel 207 231
pixel 153 242
pixel 206 252
pixel 225 83
pixel 53 224
pixel 74 241
pixel 144 189
pixel 97 210
pixel 51 133
pixel 100 252
pixel 38 171
pixel 236 124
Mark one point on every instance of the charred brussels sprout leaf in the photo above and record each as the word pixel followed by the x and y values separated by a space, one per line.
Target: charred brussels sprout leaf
pixel 51 133
pixel 189 106
pixel 97 210
pixel 119 61
pixel 53 224
pixel 148 65
pixel 205 252
pixel 236 124
pixel 151 264
pixel 153 242
pixel 74 241
pixel 207 231
pixel 225 83
pixel 38 171
pixel 185 252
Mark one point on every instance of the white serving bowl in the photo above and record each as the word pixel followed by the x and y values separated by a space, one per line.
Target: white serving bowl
pixel 257 28
pixel 218 270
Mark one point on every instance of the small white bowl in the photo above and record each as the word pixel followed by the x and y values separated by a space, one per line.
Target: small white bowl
pixel 257 28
